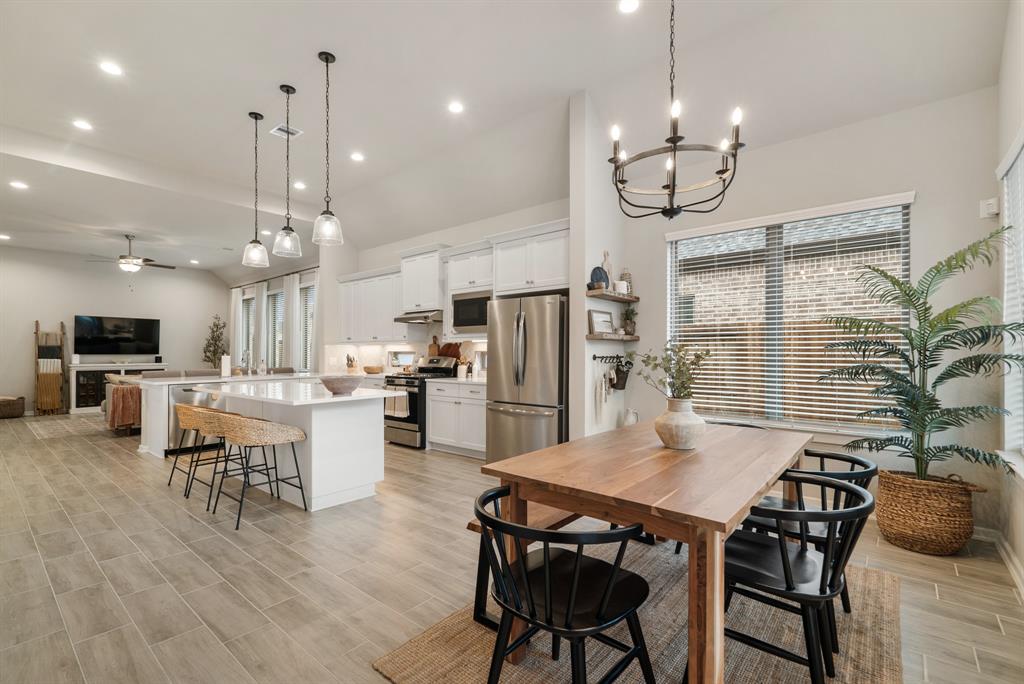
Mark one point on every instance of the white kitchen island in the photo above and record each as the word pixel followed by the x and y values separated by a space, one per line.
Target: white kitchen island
pixel 342 457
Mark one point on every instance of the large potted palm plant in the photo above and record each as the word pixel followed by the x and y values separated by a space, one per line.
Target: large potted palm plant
pixel 917 510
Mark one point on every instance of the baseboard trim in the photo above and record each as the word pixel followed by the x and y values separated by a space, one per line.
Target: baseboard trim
pixel 1013 563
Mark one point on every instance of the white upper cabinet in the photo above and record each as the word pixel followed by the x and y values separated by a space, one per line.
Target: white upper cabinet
pixel 470 271
pixel 539 262
pixel 421 282
pixel 368 310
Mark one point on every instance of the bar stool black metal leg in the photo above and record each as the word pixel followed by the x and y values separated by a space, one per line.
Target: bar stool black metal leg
pixel 193 466
pixel 298 474
pixel 227 461
pixel 213 477
pixel 177 453
pixel 277 477
pixel 241 497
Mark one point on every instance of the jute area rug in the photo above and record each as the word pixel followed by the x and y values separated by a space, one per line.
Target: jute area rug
pixel 457 650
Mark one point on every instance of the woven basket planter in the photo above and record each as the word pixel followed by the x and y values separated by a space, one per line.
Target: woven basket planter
pixel 930 516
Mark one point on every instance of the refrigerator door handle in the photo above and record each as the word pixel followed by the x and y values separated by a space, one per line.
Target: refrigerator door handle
pixel 540 413
pixel 517 368
pixel 521 358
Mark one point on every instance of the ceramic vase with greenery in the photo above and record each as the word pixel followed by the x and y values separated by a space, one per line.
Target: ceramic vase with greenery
pixel 917 510
pixel 673 373
pixel 215 346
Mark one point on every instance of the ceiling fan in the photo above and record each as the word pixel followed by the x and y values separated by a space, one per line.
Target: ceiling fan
pixel 130 262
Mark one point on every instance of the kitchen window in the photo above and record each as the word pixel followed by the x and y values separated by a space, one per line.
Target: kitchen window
pixel 275 329
pixel 248 329
pixel 307 306
pixel 756 296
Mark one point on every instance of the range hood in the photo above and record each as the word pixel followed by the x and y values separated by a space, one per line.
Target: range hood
pixel 420 317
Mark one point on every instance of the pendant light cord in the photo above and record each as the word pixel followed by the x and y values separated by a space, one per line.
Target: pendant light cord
pixel 672 54
pixel 327 133
pixel 287 160
pixel 256 178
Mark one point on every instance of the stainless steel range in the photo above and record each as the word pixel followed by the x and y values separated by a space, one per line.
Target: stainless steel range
pixel 405 420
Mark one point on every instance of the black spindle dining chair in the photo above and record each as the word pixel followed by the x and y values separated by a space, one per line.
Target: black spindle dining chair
pixel 783 570
pixel 561 591
pixel 846 467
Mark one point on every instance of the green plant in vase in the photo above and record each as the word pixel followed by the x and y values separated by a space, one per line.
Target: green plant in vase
pixel 629 320
pixel 916 510
pixel 215 346
pixel 673 373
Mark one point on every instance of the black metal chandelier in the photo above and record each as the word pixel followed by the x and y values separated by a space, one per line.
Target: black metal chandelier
pixel 714 189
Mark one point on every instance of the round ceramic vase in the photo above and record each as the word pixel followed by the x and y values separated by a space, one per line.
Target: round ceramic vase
pixel 679 427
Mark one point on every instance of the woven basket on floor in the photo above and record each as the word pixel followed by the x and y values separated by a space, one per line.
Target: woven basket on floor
pixel 927 516
pixel 12 407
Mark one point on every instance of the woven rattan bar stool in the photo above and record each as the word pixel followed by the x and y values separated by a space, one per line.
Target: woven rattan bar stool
pixel 192 418
pixel 247 434
pixel 210 430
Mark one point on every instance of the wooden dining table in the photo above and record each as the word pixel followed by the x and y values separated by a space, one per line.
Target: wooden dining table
pixel 696 496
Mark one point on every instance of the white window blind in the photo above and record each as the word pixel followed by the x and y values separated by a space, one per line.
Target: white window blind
pixel 757 297
pixel 275 329
pixel 1013 301
pixel 307 305
pixel 248 328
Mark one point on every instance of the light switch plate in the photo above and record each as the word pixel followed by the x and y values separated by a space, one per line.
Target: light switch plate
pixel 988 208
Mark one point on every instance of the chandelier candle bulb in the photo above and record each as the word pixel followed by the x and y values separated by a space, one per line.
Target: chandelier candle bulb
pixel 616 133
pixel 737 117
pixel 677 109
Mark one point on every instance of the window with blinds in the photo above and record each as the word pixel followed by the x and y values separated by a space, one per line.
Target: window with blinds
pixel 248 329
pixel 756 298
pixel 275 329
pixel 307 305
pixel 1013 301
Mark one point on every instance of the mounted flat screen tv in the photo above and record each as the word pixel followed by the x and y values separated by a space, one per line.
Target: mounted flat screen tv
pixel 111 335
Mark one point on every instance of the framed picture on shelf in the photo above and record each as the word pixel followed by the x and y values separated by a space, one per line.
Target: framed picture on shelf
pixel 600 322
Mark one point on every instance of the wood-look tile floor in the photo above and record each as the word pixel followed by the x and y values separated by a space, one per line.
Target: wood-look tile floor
pixel 108 575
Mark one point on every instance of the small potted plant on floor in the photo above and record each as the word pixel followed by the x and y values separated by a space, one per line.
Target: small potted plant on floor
pixel 673 374
pixel 216 346
pixel 917 510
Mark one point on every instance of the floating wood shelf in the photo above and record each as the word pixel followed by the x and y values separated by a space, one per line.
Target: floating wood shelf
pixel 610 296
pixel 614 337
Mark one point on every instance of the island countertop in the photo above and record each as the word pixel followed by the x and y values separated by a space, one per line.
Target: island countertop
pixel 291 392
pixel 214 378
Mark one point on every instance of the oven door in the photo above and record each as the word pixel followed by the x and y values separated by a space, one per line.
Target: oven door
pixel 403 415
pixel 469 313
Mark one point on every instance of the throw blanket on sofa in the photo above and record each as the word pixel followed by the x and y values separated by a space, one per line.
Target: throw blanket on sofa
pixel 125 408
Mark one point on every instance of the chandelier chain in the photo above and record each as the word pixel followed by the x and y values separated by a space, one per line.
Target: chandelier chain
pixel 256 178
pixel 287 159
pixel 327 134
pixel 672 53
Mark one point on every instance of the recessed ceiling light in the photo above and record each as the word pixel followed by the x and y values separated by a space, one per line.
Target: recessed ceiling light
pixel 455 107
pixel 18 185
pixel 83 124
pixel 356 156
pixel 628 6
pixel 112 68
pixel 193 261
pixel 265 232
pixel 5 237
pixel 299 185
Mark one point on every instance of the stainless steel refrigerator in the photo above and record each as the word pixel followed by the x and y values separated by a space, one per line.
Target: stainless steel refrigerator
pixel 527 383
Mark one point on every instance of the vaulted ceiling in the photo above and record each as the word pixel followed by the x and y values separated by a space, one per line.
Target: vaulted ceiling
pixel 170 154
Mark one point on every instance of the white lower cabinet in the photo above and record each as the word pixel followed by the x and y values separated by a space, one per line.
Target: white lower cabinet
pixel 456 417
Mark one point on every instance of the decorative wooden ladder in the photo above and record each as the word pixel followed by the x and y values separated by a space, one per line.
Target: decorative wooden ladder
pixel 51 371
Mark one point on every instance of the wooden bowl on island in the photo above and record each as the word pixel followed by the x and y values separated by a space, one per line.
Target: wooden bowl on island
pixel 373 370
pixel 341 385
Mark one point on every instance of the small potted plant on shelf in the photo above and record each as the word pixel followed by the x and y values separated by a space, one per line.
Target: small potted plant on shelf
pixel 673 374
pixel 917 510
pixel 629 320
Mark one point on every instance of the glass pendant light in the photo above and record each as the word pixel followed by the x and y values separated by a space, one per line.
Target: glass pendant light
pixel 286 244
pixel 327 227
pixel 255 254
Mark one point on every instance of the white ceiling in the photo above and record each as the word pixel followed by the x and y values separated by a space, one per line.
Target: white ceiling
pixel 170 155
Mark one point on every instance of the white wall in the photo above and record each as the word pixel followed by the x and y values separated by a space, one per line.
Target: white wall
pixel 946 151
pixel 596 226
pixel 52 287
pixel 1011 125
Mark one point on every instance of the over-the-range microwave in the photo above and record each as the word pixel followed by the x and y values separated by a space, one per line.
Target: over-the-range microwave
pixel 469 313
